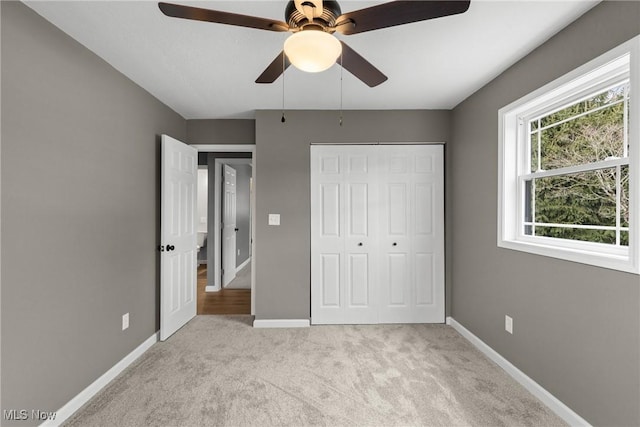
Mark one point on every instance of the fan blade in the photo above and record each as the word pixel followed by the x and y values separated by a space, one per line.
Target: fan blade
pixel 360 67
pixel 197 14
pixel 397 13
pixel 274 69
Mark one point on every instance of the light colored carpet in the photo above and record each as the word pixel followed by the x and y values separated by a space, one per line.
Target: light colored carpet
pixel 219 371
pixel 242 279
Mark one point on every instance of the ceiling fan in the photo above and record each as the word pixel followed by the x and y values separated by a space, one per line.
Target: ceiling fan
pixel 312 47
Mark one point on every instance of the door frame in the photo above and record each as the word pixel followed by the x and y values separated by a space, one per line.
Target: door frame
pixel 237 148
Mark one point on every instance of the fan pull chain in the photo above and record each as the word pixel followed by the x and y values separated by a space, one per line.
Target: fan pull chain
pixel 283 119
pixel 341 70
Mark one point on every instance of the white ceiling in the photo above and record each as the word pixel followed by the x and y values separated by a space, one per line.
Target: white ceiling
pixel 206 70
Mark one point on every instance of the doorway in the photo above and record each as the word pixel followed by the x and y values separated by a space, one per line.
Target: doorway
pixel 225 224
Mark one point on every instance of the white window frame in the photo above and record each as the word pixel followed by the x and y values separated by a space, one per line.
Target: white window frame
pixel 513 160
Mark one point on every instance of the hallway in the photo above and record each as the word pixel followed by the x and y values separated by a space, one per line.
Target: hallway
pixel 226 301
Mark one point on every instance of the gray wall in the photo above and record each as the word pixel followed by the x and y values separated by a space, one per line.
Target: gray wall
pixel 282 180
pixel 576 327
pixel 243 205
pixel 80 206
pixel 221 131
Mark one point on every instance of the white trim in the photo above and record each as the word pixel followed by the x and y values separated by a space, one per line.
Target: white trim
pixel 379 143
pixel 225 148
pixel 240 148
pixel 281 323
pixel 0 204
pixel 235 161
pixel 217 194
pixel 85 395
pixel 587 167
pixel 562 410
pixel 243 265
pixel 211 289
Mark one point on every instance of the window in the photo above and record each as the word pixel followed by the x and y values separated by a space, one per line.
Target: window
pixel 570 165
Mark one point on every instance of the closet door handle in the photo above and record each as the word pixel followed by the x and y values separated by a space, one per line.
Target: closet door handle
pixel 395 244
pixel 360 244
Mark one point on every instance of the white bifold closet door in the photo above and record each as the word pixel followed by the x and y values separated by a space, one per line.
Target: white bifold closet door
pixel 377 234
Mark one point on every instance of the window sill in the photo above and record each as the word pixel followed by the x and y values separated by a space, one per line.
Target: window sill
pixel 598 259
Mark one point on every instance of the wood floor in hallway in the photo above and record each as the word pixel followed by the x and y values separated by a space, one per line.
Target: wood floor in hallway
pixel 226 301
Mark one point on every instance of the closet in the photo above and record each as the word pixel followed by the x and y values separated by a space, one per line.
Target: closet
pixel 377 234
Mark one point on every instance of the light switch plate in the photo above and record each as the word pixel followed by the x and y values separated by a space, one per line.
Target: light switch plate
pixel 508 324
pixel 274 219
pixel 125 321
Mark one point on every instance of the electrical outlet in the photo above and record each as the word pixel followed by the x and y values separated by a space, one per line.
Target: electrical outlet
pixel 125 321
pixel 508 324
pixel 238 252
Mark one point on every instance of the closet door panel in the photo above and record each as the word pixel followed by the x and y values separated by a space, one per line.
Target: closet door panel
pixel 359 246
pixel 394 231
pixel 360 240
pixel 327 243
pixel 410 211
pixel 427 248
pixel 342 224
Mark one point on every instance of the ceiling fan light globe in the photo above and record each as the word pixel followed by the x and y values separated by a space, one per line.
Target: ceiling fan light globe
pixel 312 50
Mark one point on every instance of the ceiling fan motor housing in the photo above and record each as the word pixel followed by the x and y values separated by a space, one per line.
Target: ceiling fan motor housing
pixel 331 11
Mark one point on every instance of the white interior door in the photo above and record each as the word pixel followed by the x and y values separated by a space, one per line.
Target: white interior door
pixel 178 235
pixel 343 229
pixel 411 234
pixel 229 228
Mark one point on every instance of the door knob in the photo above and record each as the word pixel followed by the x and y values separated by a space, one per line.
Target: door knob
pixel 395 244
pixel 170 248
pixel 360 244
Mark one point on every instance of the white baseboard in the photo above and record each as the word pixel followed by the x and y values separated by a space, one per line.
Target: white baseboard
pixel 243 265
pixel 211 289
pixel 85 395
pixel 562 410
pixel 281 323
